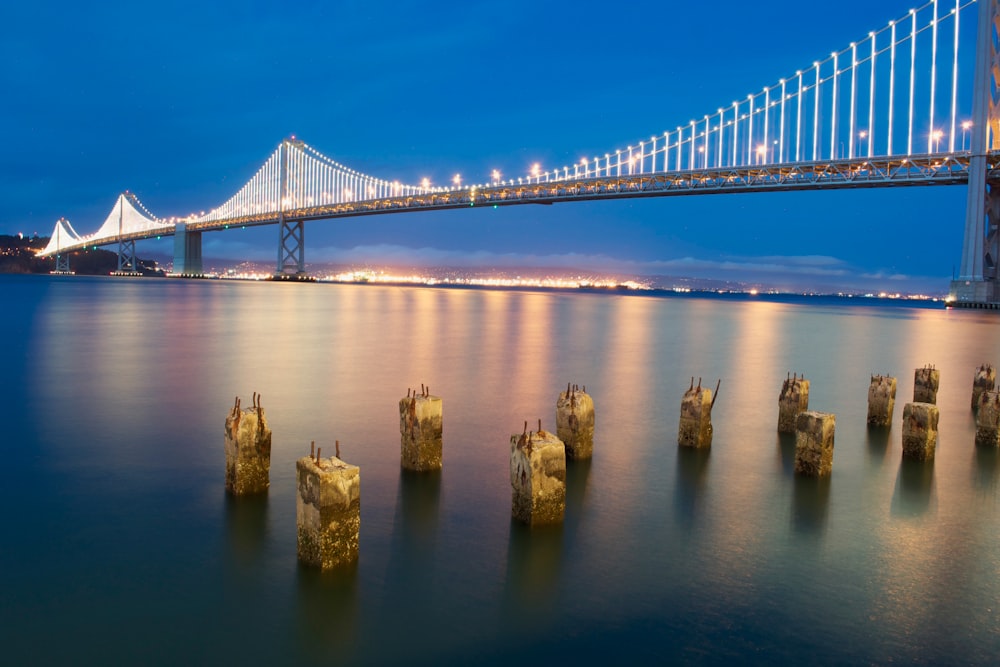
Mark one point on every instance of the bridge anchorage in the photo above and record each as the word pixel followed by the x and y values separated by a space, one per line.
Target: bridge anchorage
pixel 978 283
pixel 874 114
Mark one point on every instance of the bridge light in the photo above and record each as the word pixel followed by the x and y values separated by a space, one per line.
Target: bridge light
pixel 536 169
pixel 425 183
pixel 457 180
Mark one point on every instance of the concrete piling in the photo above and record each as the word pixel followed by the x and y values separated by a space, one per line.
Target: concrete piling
pixel 988 420
pixel 985 380
pixel 926 381
pixel 794 398
pixel 537 477
pixel 920 430
pixel 420 430
pixel 695 428
pixel 248 449
pixel 327 510
pixel 814 432
pixel 575 422
pixel 881 400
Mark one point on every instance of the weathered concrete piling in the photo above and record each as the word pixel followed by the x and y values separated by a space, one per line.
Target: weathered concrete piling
pixel 988 420
pixel 794 398
pixel 985 380
pixel 537 476
pixel 695 428
pixel 420 430
pixel 575 422
pixel 926 381
pixel 920 430
pixel 814 433
pixel 248 450
pixel 881 400
pixel 327 510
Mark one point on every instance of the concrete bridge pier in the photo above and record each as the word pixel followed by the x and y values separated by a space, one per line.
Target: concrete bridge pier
pixel 988 420
pixel 327 510
pixel 695 428
pixel 920 430
pixel 187 252
pixel 881 400
pixel 420 430
pixel 926 382
pixel 575 422
pixel 794 398
pixel 248 450
pixel 537 477
pixel 985 380
pixel 814 433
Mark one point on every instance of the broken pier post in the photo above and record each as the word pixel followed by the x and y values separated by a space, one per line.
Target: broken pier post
pixel 695 428
pixel 926 381
pixel 575 422
pixel 988 420
pixel 920 430
pixel 420 430
pixel 327 510
pixel 985 380
pixel 881 400
pixel 537 477
pixel 248 449
pixel 794 398
pixel 814 433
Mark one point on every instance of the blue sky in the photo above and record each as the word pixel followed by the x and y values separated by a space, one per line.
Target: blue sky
pixel 181 102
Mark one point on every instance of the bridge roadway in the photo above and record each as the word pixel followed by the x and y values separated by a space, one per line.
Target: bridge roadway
pixel 915 170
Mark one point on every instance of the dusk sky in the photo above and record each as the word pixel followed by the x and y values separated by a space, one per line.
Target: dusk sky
pixel 181 102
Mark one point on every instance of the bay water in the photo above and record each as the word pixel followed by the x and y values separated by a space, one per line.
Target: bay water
pixel 120 546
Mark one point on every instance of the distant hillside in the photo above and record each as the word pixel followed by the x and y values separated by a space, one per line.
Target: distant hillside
pixel 17 255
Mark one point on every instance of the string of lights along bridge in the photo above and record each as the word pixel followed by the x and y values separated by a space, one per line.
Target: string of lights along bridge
pixel 909 103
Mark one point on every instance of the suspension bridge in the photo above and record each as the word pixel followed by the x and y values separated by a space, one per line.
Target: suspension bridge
pixel 892 109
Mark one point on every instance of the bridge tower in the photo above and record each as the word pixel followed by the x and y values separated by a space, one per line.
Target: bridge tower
pixel 978 282
pixel 127 263
pixel 187 252
pixel 291 233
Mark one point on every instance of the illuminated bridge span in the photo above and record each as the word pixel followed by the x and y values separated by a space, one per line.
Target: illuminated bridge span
pixel 892 109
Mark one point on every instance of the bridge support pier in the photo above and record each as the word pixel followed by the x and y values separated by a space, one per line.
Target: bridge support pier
pixel 127 264
pixel 62 265
pixel 187 252
pixel 978 282
pixel 291 251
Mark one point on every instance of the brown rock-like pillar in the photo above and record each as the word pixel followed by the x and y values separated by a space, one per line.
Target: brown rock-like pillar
pixel 881 400
pixel 814 433
pixel 794 398
pixel 327 511
pixel 537 477
pixel 420 430
pixel 926 381
pixel 248 450
pixel 695 428
pixel 985 380
pixel 988 420
pixel 920 430
pixel 575 422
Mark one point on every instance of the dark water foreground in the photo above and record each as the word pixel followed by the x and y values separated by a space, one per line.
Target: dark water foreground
pixel 120 546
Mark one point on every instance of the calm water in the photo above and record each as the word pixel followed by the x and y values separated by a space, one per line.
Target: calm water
pixel 119 544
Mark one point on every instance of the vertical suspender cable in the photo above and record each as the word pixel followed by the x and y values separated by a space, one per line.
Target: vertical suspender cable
pixel 934 41
pixel 871 101
pixel 892 83
pixel 954 82
pixel 913 73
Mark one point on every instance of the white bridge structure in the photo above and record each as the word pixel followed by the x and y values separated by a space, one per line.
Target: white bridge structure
pixel 892 109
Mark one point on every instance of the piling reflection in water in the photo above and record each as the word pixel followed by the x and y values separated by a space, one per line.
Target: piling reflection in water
pixel 811 504
pixel 914 488
pixel 689 489
pixel 246 529
pixel 326 613
pixel 534 562
pixel 877 438
pixel 986 466
pixel 786 452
